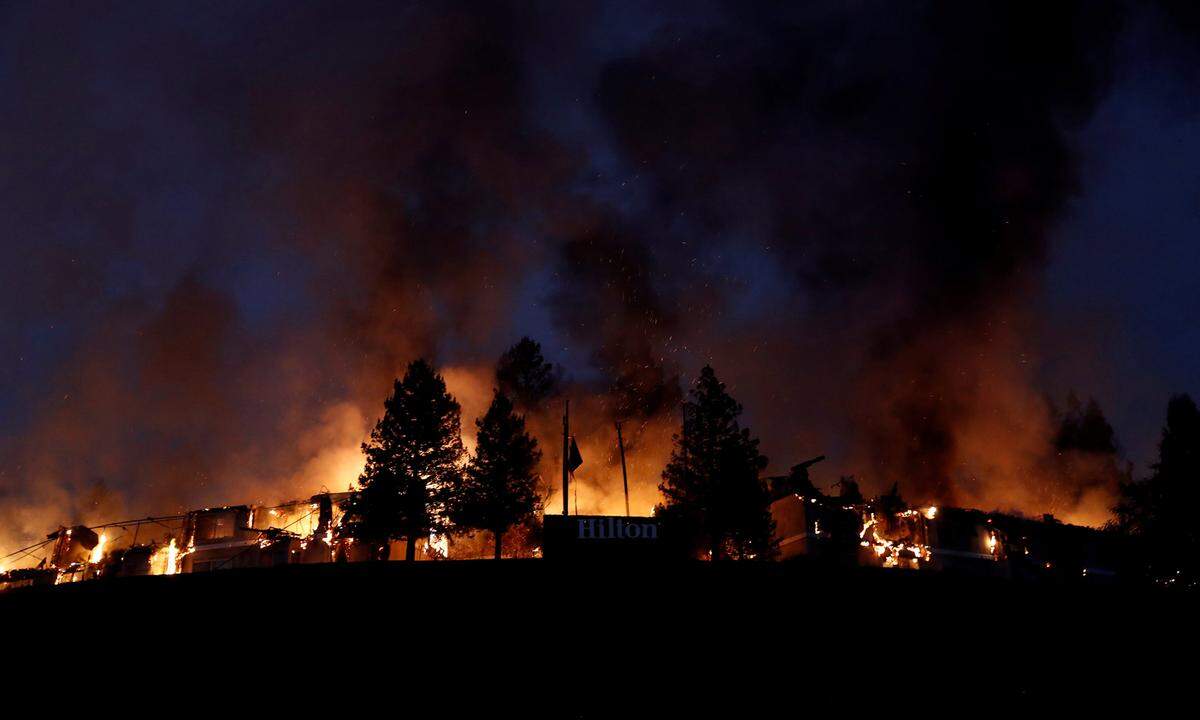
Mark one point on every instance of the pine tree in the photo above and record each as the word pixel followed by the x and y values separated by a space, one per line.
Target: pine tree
pixel 1085 456
pixel 1160 510
pixel 499 488
pixel 1084 427
pixel 711 483
pixel 524 375
pixel 412 462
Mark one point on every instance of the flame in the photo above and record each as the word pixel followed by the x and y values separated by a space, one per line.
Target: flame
pixel 894 553
pixel 98 551
pixel 440 543
pixel 867 525
pixel 165 560
pixel 931 512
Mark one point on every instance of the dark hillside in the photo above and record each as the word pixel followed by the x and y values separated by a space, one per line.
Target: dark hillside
pixel 774 634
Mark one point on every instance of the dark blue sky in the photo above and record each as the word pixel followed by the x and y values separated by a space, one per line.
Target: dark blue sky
pixel 1122 276
pixel 894 230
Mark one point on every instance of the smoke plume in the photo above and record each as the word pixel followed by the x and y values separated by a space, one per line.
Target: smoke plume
pixel 233 225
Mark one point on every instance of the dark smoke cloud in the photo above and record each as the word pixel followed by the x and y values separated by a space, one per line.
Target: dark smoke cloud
pixel 231 225
pixel 609 299
pixel 911 160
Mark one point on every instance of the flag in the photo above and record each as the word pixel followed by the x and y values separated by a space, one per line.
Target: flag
pixel 574 459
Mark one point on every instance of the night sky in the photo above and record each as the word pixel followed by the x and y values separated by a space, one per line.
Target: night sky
pixel 900 231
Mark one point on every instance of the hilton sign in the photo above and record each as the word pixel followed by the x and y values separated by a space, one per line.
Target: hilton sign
pixel 601 537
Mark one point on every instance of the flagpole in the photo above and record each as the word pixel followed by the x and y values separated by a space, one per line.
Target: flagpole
pixel 566 453
pixel 624 475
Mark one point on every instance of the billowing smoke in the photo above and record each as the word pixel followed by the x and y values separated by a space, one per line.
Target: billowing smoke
pixel 232 225
pixel 889 179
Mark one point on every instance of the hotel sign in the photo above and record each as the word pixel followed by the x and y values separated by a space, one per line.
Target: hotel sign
pixel 601 536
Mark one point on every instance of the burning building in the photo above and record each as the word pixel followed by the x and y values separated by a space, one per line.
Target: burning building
pixel 878 533
pixel 846 530
pixel 204 540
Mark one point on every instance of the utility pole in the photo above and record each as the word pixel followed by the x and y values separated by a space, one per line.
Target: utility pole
pixel 566 454
pixel 624 475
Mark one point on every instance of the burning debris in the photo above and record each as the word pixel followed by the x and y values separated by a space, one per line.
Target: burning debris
pixel 316 530
pixel 845 529
pixel 199 541
pixel 898 540
pixel 785 515
pixel 944 539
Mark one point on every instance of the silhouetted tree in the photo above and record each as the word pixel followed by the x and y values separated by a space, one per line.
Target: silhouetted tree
pixel 1085 456
pixel 524 375
pixel 712 480
pixel 1161 510
pixel 1084 427
pixel 412 461
pixel 499 488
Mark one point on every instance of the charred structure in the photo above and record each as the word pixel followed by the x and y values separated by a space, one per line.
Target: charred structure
pixel 946 539
pixel 845 530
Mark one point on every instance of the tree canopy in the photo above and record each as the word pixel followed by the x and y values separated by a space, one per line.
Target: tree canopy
pixel 524 375
pixel 413 460
pixel 1084 457
pixel 499 488
pixel 711 484
pixel 1161 510
pixel 1084 427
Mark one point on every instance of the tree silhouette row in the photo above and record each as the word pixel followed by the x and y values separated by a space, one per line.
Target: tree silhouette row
pixel 419 481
